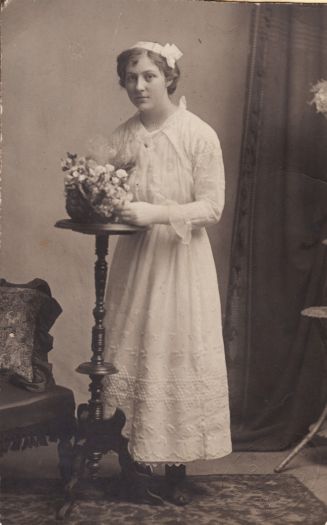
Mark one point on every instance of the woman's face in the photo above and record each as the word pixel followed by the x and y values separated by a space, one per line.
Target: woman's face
pixel 145 84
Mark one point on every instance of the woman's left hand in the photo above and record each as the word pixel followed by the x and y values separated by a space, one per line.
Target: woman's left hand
pixel 143 213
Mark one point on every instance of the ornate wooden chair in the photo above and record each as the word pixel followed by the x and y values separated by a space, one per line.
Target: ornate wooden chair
pixel 33 409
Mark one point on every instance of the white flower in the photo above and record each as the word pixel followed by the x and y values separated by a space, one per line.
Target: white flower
pixel 110 168
pixel 121 174
pixel 320 97
pixel 69 182
pixel 66 164
pixel 99 170
pixel 91 163
pixel 115 181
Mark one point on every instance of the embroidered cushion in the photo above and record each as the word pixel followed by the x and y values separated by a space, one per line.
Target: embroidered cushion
pixel 27 312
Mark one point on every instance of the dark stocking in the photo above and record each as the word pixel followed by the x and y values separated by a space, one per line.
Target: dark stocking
pixel 176 490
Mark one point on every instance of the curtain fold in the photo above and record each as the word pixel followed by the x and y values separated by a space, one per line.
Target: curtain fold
pixel 275 356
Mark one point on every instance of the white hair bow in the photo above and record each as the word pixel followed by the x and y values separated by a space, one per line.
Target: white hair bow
pixel 169 51
pixel 171 54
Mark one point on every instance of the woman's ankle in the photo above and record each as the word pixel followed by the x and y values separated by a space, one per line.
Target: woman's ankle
pixel 175 473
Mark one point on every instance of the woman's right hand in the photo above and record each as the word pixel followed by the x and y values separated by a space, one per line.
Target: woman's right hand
pixel 143 213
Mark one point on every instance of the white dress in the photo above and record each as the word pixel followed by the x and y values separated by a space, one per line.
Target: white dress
pixel 163 321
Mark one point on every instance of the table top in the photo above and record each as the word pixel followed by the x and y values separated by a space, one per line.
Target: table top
pixel 108 228
pixel 318 312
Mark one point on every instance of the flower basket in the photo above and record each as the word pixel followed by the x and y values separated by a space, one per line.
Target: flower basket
pixel 93 191
pixel 80 210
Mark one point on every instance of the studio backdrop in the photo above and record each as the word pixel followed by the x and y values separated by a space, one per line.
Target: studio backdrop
pixel 278 264
pixel 60 89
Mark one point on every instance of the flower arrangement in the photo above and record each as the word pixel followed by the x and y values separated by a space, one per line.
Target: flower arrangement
pixel 320 97
pixel 93 191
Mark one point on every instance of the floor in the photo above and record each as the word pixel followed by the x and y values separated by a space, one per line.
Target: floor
pixel 310 466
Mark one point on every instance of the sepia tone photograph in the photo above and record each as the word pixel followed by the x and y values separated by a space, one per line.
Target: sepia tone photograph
pixel 163 263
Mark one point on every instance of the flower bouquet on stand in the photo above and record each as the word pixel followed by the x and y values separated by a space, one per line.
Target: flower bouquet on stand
pixel 320 101
pixel 94 191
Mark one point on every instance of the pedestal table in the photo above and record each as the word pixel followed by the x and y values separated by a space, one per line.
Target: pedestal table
pixel 319 314
pixel 96 436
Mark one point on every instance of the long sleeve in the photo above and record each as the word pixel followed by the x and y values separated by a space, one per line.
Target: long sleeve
pixel 209 189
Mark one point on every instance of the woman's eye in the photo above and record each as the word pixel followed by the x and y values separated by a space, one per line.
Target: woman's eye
pixel 149 77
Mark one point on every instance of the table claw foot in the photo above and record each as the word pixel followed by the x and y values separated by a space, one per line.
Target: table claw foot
pixel 65 510
pixel 77 473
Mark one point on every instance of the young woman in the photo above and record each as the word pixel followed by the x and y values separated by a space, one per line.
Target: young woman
pixel 164 321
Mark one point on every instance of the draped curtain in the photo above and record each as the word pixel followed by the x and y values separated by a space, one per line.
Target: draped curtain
pixel 275 356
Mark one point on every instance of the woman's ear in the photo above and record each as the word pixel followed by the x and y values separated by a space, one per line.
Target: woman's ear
pixel 168 82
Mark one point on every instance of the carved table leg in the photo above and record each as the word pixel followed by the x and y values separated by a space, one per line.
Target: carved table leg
pixel 96 368
pixel 96 436
pixel 315 428
pixel 90 416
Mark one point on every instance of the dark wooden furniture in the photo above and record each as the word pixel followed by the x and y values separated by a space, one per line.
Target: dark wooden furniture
pixel 33 411
pixel 30 419
pixel 96 436
pixel 319 315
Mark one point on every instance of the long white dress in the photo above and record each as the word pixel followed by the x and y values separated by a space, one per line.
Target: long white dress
pixel 163 322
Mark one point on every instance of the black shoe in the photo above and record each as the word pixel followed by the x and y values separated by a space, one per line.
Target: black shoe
pixel 176 489
pixel 143 469
pixel 178 494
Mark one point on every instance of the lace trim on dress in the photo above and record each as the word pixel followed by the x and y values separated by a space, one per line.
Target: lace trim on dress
pixel 123 386
pixel 181 225
pixel 200 408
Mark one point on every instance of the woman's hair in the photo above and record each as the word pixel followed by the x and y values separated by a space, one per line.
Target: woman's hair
pixel 170 73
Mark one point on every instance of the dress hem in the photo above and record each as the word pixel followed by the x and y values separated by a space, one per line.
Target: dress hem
pixel 156 463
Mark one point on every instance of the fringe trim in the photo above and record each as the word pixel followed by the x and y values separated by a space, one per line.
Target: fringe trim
pixel 37 435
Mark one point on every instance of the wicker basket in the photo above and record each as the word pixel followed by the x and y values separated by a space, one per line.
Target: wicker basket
pixel 80 210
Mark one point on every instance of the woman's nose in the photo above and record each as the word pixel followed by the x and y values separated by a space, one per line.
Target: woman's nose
pixel 140 83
